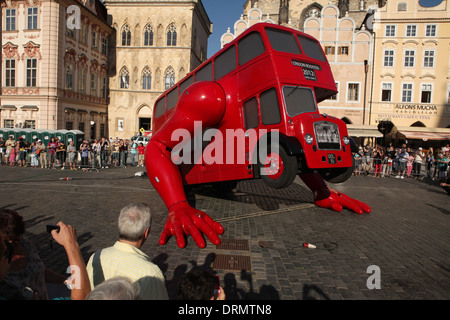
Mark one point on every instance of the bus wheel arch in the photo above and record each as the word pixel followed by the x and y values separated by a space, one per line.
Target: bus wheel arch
pixel 277 168
pixel 337 175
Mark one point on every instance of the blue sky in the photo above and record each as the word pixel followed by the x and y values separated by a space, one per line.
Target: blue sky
pixel 223 14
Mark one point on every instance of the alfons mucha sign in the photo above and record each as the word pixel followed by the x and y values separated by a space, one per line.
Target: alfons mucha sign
pixel 412 111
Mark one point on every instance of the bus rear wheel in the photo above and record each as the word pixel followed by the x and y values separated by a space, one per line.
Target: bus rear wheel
pixel 278 169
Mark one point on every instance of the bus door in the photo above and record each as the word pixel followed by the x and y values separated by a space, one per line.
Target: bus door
pixel 266 145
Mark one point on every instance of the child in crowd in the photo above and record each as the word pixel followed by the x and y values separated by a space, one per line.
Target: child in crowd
pixel 409 165
pixel 12 157
pixel 141 150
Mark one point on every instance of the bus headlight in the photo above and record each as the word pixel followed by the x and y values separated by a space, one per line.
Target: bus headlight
pixel 309 138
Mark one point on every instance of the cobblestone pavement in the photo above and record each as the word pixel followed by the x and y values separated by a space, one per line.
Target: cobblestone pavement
pixel 406 236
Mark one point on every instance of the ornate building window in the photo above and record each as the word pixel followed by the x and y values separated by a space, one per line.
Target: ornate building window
pixel 171 35
pixel 32 18
pixel 10 19
pixel 148 35
pixel 69 77
pixel 94 80
pixel 10 73
pixel 124 78
pixel 104 46
pixel 31 72
pixel 84 32
pixel 82 81
pixel 146 79
pixel 169 78
pixel 126 35
pixel 94 39
pixel 103 88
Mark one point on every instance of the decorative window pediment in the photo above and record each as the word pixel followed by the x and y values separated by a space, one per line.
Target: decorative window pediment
pixel 32 50
pixel 10 51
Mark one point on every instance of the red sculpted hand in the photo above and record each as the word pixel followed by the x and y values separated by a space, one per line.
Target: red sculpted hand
pixel 337 200
pixel 185 220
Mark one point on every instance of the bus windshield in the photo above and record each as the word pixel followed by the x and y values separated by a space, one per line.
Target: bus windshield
pixel 298 100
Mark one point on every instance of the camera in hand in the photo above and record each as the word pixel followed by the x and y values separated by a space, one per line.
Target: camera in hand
pixel 51 227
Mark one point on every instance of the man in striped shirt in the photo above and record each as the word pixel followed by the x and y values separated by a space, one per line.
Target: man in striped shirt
pixel 125 259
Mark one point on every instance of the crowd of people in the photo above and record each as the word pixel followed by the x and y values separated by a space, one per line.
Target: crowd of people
pixel 101 153
pixel 403 162
pixel 119 272
pixel 123 271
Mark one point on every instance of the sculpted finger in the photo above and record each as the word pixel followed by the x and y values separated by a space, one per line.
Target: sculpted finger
pixel 197 236
pixel 179 234
pixel 217 227
pixel 207 230
pixel 329 203
pixel 336 206
pixel 363 206
pixel 164 236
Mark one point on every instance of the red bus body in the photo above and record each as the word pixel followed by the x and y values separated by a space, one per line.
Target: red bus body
pixel 273 77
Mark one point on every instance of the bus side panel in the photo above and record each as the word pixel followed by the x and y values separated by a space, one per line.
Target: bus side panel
pixel 219 158
pixel 255 76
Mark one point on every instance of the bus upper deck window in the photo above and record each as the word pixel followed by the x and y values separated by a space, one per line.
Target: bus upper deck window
pixel 172 99
pixel 250 47
pixel 186 83
pixel 298 100
pixel 160 108
pixel 205 73
pixel 311 48
pixel 283 41
pixel 225 63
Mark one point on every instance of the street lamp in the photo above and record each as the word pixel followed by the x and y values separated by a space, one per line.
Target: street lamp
pixel 366 70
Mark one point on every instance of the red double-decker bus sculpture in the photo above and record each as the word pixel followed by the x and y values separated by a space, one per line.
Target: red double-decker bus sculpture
pixel 250 111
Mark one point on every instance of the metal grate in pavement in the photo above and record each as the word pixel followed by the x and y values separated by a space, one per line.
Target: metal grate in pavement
pixel 232 262
pixel 233 244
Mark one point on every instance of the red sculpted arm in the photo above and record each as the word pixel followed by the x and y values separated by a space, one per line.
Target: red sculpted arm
pixel 204 102
pixel 327 198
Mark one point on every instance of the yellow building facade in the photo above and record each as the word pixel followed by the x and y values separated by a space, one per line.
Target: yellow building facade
pixel 411 86
pixel 156 44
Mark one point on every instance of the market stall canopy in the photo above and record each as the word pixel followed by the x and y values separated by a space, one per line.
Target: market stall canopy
pixel 363 131
pixel 425 133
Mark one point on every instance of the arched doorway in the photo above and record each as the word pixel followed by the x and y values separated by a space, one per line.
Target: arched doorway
pixel 144 118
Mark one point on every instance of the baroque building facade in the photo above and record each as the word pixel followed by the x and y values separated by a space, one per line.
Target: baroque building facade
pixel 55 65
pixel 156 44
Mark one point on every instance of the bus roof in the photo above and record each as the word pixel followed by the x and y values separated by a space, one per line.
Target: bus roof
pixel 256 27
